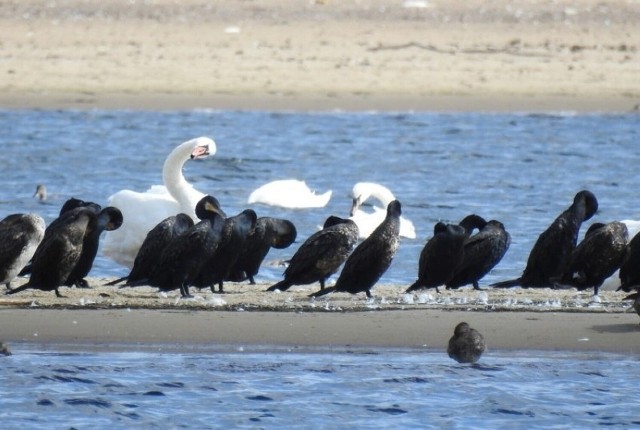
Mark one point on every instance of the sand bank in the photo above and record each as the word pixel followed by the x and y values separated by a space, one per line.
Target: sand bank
pixel 407 329
pixel 321 55
pixel 247 315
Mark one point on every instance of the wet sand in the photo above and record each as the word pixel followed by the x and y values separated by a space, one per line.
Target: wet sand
pixel 540 319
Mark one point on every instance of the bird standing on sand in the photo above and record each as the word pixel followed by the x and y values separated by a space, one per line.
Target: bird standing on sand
pixel 482 252
pixel 550 255
pixel 154 244
pixel 371 258
pixel 440 257
pixel 20 235
pixel 466 345
pixel 59 251
pixel 108 219
pixel 268 233
pixel 597 257
pixel 183 259
pixel 321 255
pixel 233 236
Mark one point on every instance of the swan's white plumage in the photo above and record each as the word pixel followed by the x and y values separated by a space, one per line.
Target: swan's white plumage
pixel 143 211
pixel 290 194
pixel 368 221
pixel 612 283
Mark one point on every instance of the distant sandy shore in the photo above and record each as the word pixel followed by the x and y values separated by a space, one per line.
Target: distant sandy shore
pixel 506 55
pixel 540 319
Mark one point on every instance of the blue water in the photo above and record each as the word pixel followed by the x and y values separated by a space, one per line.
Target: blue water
pixel 328 389
pixel 522 169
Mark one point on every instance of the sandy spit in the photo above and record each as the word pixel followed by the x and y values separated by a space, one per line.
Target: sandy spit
pixel 248 315
pixel 502 55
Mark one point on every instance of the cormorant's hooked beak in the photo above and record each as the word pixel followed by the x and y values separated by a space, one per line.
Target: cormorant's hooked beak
pixel 200 152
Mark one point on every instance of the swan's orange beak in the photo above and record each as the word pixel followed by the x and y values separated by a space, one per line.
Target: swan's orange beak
pixel 199 152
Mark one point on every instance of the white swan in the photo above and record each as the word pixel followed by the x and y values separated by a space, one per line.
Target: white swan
pixel 612 283
pixel 143 211
pixel 289 193
pixel 368 221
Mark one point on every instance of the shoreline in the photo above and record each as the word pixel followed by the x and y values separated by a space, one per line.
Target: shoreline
pixel 245 315
pixel 490 103
pixel 178 330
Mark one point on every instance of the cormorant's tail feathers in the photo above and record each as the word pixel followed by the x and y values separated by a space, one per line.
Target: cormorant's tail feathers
pixel 282 286
pixel 138 283
pixel 323 292
pixel 17 290
pixel 633 296
pixel 507 284
pixel 413 287
pixel 117 281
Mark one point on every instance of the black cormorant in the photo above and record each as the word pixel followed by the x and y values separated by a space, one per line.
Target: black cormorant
pixel 482 252
pixel 550 255
pixel 59 251
pixel 440 257
pixel 184 258
pixel 371 258
pixel 234 233
pixel 154 244
pixel 108 219
pixel 321 255
pixel 268 233
pixel 597 257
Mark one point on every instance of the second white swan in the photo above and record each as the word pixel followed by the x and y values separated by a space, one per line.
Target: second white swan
pixel 368 221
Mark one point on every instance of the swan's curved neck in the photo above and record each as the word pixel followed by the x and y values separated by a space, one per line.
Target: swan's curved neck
pixel 383 195
pixel 172 175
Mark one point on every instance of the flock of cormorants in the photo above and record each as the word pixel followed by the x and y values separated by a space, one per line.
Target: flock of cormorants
pixel 179 254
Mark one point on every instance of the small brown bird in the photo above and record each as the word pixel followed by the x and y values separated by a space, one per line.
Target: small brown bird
pixel 466 345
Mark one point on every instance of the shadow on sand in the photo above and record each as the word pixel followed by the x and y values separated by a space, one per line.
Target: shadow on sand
pixel 616 328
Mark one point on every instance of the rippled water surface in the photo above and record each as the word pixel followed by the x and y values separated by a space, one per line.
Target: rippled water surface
pixel 316 389
pixel 518 168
